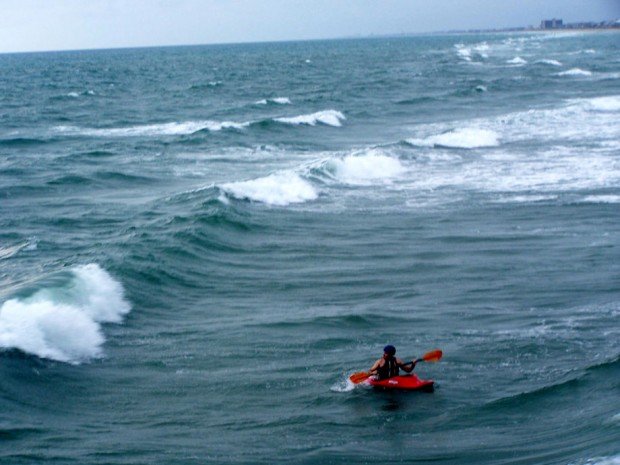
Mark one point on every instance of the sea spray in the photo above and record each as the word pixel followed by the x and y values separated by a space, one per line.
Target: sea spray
pixel 364 169
pixel 278 189
pixel 64 323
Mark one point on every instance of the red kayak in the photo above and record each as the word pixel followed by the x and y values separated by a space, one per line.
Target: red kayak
pixel 405 382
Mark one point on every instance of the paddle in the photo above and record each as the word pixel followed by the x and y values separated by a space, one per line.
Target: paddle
pixel 432 356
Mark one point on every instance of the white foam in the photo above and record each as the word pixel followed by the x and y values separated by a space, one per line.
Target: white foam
pixel 327 117
pixel 611 103
pixel 466 138
pixel 343 386
pixel 467 52
pixel 613 460
pixel 602 199
pixel 278 189
pixel 526 198
pixel 64 324
pixel 7 252
pixel 517 61
pixel 165 129
pixel 481 88
pixel 277 100
pixel 73 94
pixel 550 62
pixel 463 52
pixel 575 72
pixel 364 169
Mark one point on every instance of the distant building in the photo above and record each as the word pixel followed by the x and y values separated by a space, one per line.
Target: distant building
pixel 551 24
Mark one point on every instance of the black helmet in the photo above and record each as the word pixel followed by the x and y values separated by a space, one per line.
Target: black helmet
pixel 390 350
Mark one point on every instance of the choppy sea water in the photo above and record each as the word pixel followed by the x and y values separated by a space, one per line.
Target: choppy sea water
pixel 199 244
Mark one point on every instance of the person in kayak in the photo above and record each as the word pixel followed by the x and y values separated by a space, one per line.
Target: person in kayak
pixel 389 366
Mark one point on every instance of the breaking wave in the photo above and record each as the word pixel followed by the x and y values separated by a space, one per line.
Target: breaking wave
pixel 278 189
pixel 327 117
pixel 575 72
pixel 550 62
pixel 467 138
pixel 363 169
pixel 276 101
pixel 516 61
pixel 64 323
pixel 164 129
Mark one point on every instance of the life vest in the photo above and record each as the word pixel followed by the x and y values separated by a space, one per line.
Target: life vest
pixel 388 370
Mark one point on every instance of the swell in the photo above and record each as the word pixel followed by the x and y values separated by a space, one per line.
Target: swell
pixel 17 433
pixel 578 379
pixel 23 142
pixel 191 250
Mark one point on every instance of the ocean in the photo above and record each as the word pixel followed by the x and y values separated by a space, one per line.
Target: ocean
pixel 198 245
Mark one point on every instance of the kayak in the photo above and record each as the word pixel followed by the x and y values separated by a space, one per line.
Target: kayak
pixel 405 382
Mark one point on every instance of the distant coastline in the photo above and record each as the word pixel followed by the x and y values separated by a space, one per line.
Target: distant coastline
pixel 553 25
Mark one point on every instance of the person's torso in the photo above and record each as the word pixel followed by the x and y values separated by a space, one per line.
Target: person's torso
pixel 388 369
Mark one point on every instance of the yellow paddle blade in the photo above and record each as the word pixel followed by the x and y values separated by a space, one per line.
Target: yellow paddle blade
pixel 357 378
pixel 432 356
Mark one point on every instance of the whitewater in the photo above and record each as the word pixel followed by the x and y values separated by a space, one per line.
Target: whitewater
pixel 198 245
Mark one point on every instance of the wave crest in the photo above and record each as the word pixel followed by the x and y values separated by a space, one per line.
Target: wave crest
pixel 575 72
pixel 278 189
pixel 164 129
pixel 275 100
pixel 467 138
pixel 362 169
pixel 64 323
pixel 327 117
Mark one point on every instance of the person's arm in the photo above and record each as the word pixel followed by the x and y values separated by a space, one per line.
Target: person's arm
pixel 408 367
pixel 373 370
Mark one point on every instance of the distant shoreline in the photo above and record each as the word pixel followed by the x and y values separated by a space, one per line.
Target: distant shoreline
pixel 356 37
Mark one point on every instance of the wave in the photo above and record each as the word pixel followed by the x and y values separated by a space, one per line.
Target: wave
pixel 363 169
pixel 575 72
pixel 10 251
pixel 549 62
pixel 279 189
pixel 517 61
pixel 64 323
pixel 572 121
pixel 526 199
pixel 68 180
pixel 610 460
pixel 275 101
pixel 601 199
pixel 78 94
pixel 22 142
pixel 206 85
pixel 120 177
pixel 467 138
pixel 611 103
pixel 475 51
pixel 517 400
pixel 327 117
pixel 163 129
pixel 416 100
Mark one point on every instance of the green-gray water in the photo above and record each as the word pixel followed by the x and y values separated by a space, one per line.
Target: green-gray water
pixel 198 245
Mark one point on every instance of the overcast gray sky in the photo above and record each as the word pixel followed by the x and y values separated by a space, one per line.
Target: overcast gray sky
pixel 33 25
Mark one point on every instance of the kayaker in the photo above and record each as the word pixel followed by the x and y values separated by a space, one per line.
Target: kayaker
pixel 389 366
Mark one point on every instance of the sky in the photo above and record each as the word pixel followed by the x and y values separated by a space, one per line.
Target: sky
pixel 40 25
